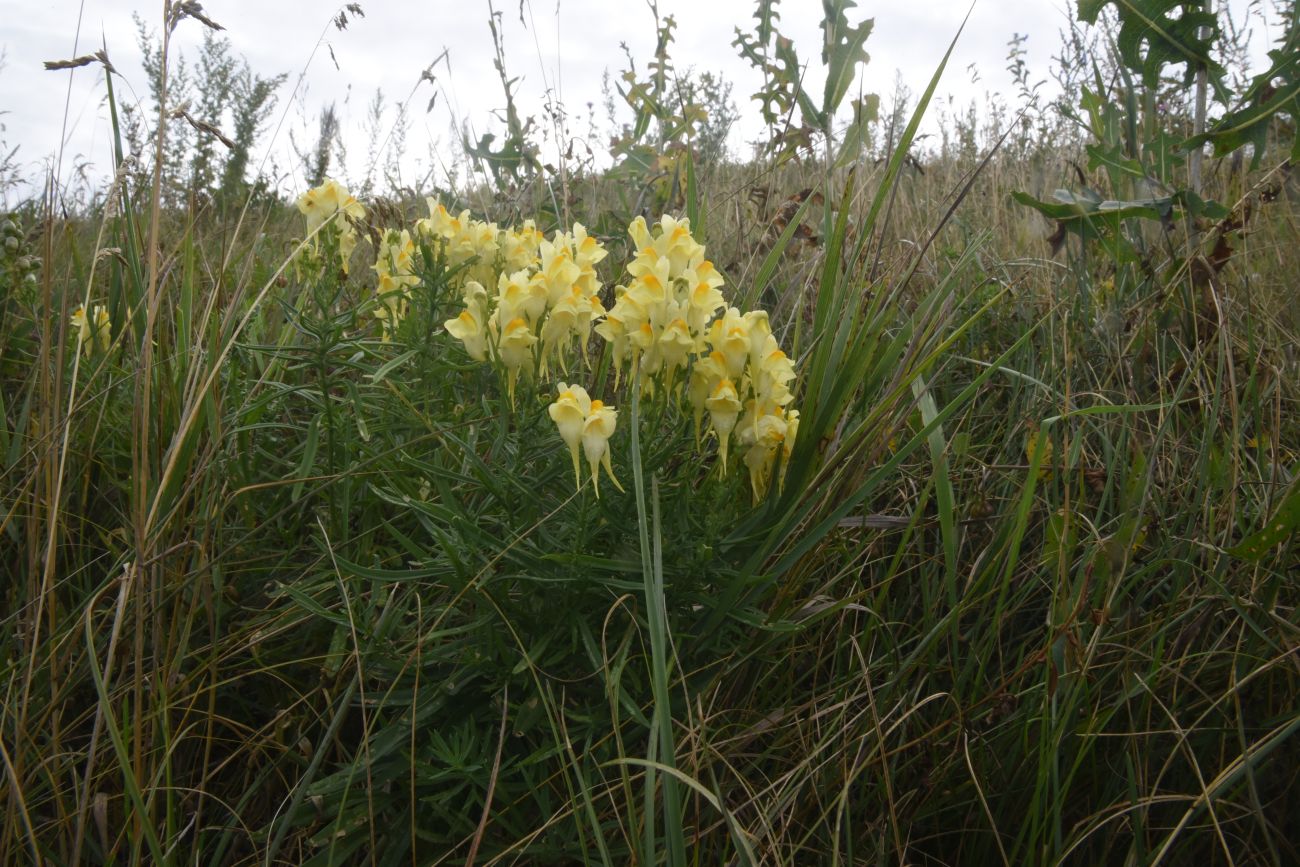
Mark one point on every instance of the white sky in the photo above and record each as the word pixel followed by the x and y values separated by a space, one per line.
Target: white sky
pixel 564 46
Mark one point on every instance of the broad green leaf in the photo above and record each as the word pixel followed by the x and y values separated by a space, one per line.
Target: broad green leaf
pixel 842 52
pixel 1151 37
pixel 1274 92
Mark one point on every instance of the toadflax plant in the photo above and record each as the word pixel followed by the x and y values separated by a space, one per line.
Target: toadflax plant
pixel 669 332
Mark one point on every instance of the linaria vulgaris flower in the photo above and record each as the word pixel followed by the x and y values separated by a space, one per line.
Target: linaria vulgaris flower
pixel 470 327
pixel 92 329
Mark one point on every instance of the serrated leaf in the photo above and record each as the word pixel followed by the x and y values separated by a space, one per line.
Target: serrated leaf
pixel 1150 38
pixel 1276 91
pixel 842 52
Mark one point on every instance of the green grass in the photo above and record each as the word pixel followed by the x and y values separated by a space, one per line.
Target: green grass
pixel 277 591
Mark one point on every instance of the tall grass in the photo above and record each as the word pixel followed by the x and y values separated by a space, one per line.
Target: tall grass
pixel 278 591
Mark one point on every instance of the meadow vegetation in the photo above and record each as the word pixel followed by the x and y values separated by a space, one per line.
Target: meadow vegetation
pixel 935 495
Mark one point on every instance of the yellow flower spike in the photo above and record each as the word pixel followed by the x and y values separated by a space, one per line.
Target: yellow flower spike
pixel 396 256
pixel 347 243
pixel 82 324
pixel 537 298
pixel 675 243
pixel 440 223
pixel 519 247
pixel 650 287
pixel 592 311
pixel 559 273
pixel 587 251
pixel 724 406
pixel 569 412
pixel 774 375
pixel 331 203
pixel 570 317
pixel 596 431
pixel 615 331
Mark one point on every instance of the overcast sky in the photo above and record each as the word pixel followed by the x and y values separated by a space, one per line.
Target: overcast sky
pixel 559 47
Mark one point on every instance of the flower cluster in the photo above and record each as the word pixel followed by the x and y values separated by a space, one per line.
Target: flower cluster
pixel 474 249
pixel 670 319
pixel 92 329
pixel 743 369
pixel 394 278
pixel 666 318
pixel 331 208
pixel 539 310
pixel 670 324
pixel 659 318
pixel 530 306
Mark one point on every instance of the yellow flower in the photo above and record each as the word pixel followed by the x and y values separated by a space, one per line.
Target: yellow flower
pixel 322 203
pixel 440 223
pixel 596 431
pixel 512 296
pixel 764 432
pixel 570 317
pixel 649 288
pixel 569 412
pixel 674 344
pixel 519 247
pixel 397 256
pixel 558 273
pixel 587 253
pixel 706 373
pixel 470 326
pixel 724 407
pixel 515 349
pixel 772 377
pixel 617 327
pixel 760 332
pixel 703 299
pixel 92 329
pixel 730 335
pixel 393 304
pixel 644 357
